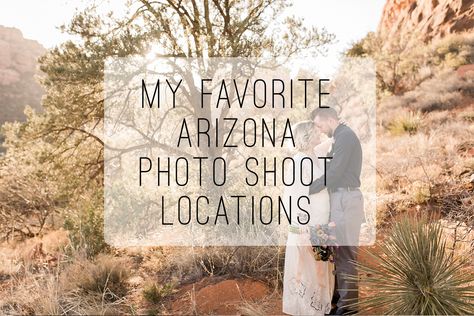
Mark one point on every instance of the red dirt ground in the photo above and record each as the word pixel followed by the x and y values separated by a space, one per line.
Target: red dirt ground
pixel 225 297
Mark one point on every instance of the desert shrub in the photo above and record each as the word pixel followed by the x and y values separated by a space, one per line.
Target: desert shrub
pixel 398 66
pixel 43 295
pixel 455 202
pixel 421 193
pixel 413 274
pixel 264 263
pixel 33 296
pixel 36 186
pixel 155 294
pixel 407 123
pixel 105 276
pixel 27 196
pixel 401 66
pixel 453 50
pixel 86 226
pixel 468 117
pixel 190 264
pixel 365 47
pixel 442 92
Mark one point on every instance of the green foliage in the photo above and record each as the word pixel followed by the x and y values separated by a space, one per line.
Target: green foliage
pixel 86 227
pixel 422 195
pixel 408 123
pixel 454 51
pixel 65 141
pixel 28 194
pixel 366 47
pixel 414 275
pixel 155 294
pixel 468 117
pixel 402 66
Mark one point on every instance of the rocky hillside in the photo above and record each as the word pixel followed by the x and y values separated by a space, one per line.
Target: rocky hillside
pixel 415 20
pixel 18 67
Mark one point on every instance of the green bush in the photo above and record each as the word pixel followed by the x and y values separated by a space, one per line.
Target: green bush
pixel 402 66
pixel 453 51
pixel 414 275
pixel 86 228
pixel 155 294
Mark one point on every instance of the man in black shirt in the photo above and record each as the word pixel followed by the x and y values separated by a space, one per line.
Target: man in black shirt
pixel 342 179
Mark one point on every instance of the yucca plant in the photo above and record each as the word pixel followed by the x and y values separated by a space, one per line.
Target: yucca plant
pixel 413 274
pixel 408 123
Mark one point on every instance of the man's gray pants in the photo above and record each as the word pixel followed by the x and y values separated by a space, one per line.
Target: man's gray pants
pixel 347 211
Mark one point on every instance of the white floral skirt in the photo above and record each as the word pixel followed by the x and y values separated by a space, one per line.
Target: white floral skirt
pixel 308 284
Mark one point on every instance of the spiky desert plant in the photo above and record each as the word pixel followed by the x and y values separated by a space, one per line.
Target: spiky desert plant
pixel 413 274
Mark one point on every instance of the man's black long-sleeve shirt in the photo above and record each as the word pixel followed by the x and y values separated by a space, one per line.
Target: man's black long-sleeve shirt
pixel 343 170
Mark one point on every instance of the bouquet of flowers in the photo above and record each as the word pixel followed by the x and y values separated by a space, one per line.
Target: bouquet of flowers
pixel 322 237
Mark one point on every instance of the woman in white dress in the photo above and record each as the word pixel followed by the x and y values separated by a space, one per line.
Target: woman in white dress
pixel 308 284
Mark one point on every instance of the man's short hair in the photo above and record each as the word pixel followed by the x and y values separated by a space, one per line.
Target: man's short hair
pixel 324 113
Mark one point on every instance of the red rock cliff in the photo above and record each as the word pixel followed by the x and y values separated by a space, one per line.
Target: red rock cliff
pixel 422 20
pixel 18 67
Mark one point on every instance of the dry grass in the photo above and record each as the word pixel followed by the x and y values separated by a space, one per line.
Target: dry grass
pixel 188 264
pixel 442 93
pixel 407 123
pixel 106 276
pixel 253 309
pixel 425 158
pixel 82 287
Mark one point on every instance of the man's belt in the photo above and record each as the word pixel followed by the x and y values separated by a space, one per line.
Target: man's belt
pixel 343 189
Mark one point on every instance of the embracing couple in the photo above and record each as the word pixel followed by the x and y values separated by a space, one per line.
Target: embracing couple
pixel 320 253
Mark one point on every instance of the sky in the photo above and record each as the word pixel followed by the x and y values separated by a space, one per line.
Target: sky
pixel 349 20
